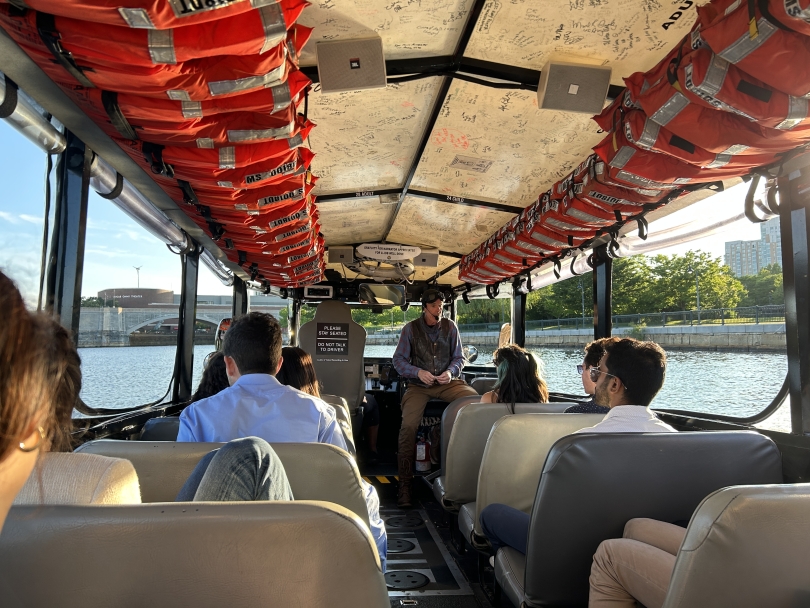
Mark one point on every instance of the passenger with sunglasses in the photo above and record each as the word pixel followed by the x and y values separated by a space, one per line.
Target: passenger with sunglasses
pixel 628 376
pixel 593 353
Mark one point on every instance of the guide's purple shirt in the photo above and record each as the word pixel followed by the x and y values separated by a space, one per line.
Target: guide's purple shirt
pixel 402 355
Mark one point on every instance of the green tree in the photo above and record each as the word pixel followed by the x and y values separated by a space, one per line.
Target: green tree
pixel 675 286
pixel 763 288
pixel 94 302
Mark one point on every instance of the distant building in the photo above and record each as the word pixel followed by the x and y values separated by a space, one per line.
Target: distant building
pixel 749 257
pixel 138 298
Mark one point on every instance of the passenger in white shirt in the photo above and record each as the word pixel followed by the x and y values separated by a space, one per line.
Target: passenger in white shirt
pixel 253 412
pixel 628 377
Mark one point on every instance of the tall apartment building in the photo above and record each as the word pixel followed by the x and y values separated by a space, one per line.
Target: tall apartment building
pixel 749 257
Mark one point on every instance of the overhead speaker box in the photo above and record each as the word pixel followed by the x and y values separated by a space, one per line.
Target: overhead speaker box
pixel 572 87
pixel 351 65
pixel 428 258
pixel 341 255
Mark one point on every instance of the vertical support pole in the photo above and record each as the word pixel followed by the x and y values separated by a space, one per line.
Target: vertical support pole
pixel 794 212
pixel 453 309
pixel 602 294
pixel 187 320
pixel 66 256
pixel 239 306
pixel 295 321
pixel 518 316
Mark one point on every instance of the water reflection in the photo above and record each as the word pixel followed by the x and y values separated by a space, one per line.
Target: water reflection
pixel 729 383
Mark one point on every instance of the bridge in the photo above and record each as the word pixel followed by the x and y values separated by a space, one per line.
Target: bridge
pixel 112 326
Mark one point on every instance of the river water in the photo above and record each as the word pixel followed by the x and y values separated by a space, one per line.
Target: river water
pixel 729 383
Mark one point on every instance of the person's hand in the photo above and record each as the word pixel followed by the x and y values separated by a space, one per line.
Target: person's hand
pixel 444 378
pixel 426 377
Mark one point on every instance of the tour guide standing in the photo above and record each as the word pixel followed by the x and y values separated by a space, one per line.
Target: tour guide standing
pixel 429 356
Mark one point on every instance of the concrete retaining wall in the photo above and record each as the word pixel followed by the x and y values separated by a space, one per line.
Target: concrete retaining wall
pixel 764 336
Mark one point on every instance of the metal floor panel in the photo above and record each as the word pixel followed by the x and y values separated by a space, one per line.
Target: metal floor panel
pixel 429 556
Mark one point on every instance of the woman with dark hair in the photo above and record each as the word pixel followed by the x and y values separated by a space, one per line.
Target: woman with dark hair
pixel 298 371
pixel 519 379
pixel 214 378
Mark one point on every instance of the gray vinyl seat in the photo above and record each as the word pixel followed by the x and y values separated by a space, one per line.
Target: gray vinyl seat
pixel 592 484
pixel 468 437
pixel 449 419
pixel 316 471
pixel 275 555
pixel 164 428
pixel 344 419
pixel 339 374
pixel 746 547
pixel 483 385
pixel 512 463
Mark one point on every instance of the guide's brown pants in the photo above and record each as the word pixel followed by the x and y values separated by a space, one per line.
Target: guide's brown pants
pixel 413 406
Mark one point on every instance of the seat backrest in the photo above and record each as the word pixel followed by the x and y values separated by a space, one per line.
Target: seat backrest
pixel 483 385
pixel 449 419
pixel 316 471
pixel 746 546
pixel 592 484
pixel 164 428
pixel 514 456
pixel 336 353
pixel 468 440
pixel 344 419
pixel 275 554
pixel 80 479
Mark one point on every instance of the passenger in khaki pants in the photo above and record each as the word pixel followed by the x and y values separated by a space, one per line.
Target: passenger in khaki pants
pixel 429 355
pixel 637 567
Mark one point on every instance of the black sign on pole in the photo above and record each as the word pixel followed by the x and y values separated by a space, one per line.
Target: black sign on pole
pixel 332 342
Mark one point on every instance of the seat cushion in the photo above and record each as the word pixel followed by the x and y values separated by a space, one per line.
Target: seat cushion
pixel 80 479
pixel 466 520
pixel 438 490
pixel 510 569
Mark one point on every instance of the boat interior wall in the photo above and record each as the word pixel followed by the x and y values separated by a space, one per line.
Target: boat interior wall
pixel 356 220
pixel 745 546
pixel 214 554
pixel 336 344
pixel 22 69
pixel 367 140
pixel 406 28
pixel 662 476
pixel 627 36
pixel 316 471
pixel 444 225
pixel 468 440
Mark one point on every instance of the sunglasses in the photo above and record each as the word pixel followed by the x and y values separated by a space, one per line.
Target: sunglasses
pixel 595 371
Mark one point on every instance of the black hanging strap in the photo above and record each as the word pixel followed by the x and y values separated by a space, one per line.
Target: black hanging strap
pixel 116 191
pixel 116 116
pixel 10 100
pixel 188 192
pixel 46 26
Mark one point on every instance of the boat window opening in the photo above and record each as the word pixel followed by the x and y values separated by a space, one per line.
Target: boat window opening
pixel 136 311
pixel 485 323
pixel 22 212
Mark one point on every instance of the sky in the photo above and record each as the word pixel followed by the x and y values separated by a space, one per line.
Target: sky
pixel 116 244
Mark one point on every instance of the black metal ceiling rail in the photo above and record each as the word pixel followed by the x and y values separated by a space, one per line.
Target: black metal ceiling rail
pixel 401 67
pixel 324 198
pixel 449 268
pixel 461 200
pixel 458 54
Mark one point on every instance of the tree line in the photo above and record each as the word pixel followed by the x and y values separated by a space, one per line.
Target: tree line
pixel 661 283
